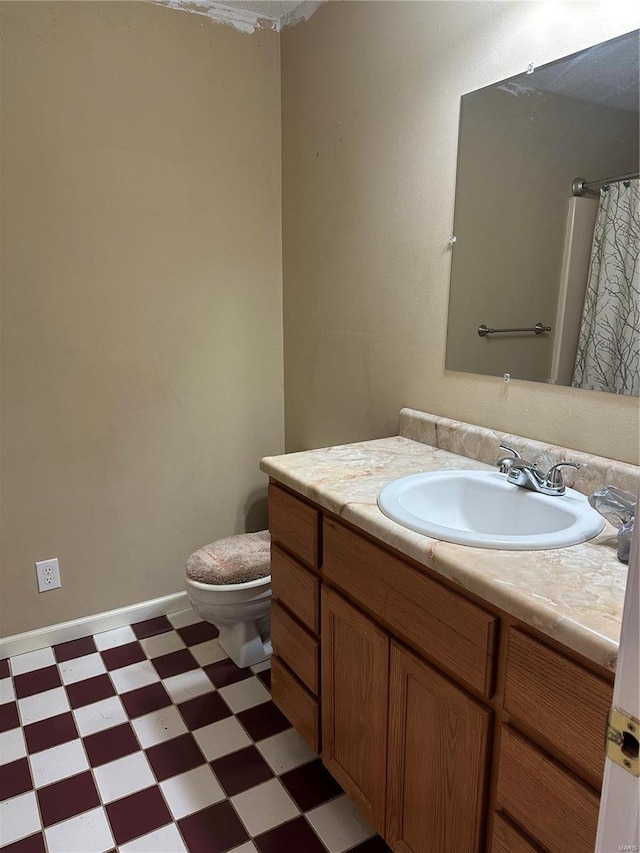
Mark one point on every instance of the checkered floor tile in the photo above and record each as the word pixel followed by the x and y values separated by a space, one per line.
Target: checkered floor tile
pixel 149 739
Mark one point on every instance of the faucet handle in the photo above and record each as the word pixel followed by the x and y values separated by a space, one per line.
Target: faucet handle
pixel 511 450
pixel 505 462
pixel 554 479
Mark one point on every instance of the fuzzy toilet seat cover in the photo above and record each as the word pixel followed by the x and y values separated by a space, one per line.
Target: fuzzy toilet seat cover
pixel 235 559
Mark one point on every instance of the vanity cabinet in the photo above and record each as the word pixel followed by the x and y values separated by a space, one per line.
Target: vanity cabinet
pixel 453 726
pixel 560 704
pixel 435 621
pixel 296 525
pixel 438 758
pixel 409 746
pixel 551 756
pixel 295 611
pixel 355 691
pixel 544 798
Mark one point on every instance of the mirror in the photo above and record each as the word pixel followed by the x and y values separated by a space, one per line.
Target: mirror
pixel 528 251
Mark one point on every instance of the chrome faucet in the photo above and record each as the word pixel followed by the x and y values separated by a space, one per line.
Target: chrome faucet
pixel 505 462
pixel 528 475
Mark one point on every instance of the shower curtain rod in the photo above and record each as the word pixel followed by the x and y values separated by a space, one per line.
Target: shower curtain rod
pixel 580 186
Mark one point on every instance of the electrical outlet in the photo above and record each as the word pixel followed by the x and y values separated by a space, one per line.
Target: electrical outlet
pixel 48 574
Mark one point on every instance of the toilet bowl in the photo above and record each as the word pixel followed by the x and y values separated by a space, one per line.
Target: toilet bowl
pixel 241 613
pixel 240 610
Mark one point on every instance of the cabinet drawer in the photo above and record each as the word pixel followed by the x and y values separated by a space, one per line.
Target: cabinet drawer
pixel 295 646
pixel 438 623
pixel 296 587
pixel 295 525
pixel 296 703
pixel 507 839
pixel 559 701
pixel 558 810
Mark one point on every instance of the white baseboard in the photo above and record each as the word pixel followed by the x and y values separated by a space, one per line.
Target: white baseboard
pixel 64 631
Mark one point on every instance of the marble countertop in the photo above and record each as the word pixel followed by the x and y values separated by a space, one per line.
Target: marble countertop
pixel 574 595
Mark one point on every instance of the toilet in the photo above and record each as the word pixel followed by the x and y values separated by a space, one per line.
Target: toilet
pixel 229 585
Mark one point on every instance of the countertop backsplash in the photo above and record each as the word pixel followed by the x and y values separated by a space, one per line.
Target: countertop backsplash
pixel 482 443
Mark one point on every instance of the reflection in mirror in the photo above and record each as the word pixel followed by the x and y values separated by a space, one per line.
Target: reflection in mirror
pixel 547 225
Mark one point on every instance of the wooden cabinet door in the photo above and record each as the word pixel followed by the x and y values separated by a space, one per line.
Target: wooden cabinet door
pixel 355 686
pixel 438 761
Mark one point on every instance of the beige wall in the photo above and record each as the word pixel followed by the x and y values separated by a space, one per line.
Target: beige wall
pixel 142 327
pixel 516 160
pixel 370 101
pixel 141 263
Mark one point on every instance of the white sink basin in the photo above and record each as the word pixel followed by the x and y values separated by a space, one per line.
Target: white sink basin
pixel 482 509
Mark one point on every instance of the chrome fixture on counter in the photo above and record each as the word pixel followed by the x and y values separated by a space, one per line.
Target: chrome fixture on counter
pixel 505 462
pixel 528 475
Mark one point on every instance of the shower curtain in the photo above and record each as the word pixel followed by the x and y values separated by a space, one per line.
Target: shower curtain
pixel 608 355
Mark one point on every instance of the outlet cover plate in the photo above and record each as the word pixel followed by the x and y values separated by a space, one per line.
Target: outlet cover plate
pixel 48 574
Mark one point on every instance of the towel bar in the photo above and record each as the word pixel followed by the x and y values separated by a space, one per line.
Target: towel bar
pixel 539 328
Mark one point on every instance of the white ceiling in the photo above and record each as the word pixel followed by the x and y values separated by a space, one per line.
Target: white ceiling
pixel 273 9
pixel 248 15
